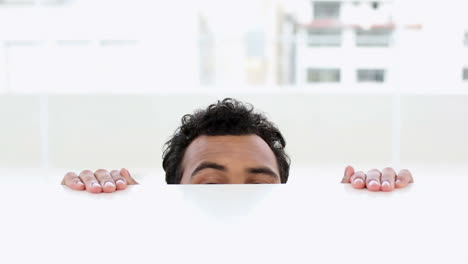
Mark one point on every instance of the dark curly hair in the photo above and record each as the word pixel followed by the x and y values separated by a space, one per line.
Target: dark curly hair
pixel 226 117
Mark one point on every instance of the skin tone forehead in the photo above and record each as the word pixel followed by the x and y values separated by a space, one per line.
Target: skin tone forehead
pixel 231 151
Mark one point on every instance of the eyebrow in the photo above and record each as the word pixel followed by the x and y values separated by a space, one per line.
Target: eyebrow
pixel 216 166
pixel 208 165
pixel 262 170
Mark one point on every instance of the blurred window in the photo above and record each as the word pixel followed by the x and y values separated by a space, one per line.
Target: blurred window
pixel 320 75
pixel 376 37
pixel 17 2
pixel 255 43
pixel 465 74
pixel 118 42
pixel 371 75
pixel 327 10
pixel 325 37
pixel 32 2
pixel 466 38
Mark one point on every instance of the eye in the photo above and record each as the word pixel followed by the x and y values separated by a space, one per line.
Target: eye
pixel 261 180
pixel 209 180
pixel 257 182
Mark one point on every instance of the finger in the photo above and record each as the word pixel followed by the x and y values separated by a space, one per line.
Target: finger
pixel 349 171
pixel 373 180
pixel 120 181
pixel 126 174
pixel 388 180
pixel 73 181
pixel 106 180
pixel 403 178
pixel 358 180
pixel 90 181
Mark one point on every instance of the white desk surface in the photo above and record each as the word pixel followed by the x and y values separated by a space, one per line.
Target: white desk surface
pixel 312 219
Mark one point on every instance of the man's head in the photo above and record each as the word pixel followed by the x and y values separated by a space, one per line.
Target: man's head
pixel 226 143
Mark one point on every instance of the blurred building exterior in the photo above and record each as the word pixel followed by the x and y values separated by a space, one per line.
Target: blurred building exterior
pixel 97 46
pixel 312 42
pixel 72 44
pixel 346 42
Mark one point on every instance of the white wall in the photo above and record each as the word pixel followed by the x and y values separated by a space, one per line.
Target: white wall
pixel 434 129
pixel 19 131
pixel 109 130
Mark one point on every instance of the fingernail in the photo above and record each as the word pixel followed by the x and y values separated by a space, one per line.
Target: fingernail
pixel 109 184
pixel 119 182
pixel 398 182
pixel 386 183
pixel 373 182
pixel 358 181
pixel 79 183
pixel 95 184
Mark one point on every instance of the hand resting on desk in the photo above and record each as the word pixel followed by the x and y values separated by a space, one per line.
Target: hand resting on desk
pixel 374 180
pixel 99 181
pixel 107 182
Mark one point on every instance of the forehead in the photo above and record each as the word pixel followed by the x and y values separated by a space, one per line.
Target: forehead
pixel 250 149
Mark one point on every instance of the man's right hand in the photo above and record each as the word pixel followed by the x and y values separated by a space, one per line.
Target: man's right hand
pixel 99 181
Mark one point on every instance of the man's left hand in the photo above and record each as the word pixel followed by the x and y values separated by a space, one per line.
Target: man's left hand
pixel 374 180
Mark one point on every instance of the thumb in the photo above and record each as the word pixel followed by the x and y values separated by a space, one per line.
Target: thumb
pixel 349 171
pixel 126 174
